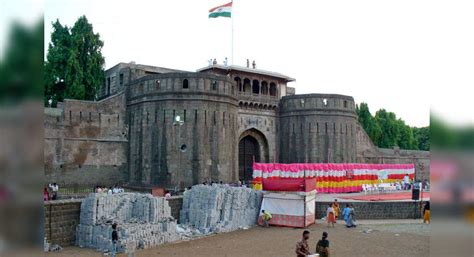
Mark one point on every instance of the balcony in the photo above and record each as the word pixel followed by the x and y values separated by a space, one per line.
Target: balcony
pixel 258 98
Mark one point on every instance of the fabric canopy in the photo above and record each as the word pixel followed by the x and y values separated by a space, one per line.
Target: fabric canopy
pixel 332 177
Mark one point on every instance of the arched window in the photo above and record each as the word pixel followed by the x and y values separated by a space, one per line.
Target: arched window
pixel 247 87
pixel 214 85
pixel 185 83
pixel 255 87
pixel 345 104
pixel 238 80
pixel 264 89
pixel 273 89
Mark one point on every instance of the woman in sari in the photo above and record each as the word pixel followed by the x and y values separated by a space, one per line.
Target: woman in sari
pixel 345 213
pixel 426 213
pixel 350 217
pixel 335 206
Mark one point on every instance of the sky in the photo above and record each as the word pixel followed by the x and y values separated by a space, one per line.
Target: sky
pixel 405 56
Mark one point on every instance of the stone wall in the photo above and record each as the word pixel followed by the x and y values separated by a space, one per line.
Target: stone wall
pixel 367 152
pixel 86 142
pixel 317 128
pixel 207 105
pixel 376 210
pixel 61 219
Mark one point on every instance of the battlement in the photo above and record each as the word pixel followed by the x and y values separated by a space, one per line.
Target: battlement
pixel 318 102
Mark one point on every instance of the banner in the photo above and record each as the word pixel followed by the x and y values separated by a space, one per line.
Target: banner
pixel 333 177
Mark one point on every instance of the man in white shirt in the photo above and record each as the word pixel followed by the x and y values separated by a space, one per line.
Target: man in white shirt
pixel 406 182
pixel 54 188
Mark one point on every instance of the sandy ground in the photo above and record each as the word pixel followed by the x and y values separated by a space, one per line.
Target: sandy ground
pixel 387 238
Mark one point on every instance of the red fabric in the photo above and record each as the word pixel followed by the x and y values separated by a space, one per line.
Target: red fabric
pixel 284 184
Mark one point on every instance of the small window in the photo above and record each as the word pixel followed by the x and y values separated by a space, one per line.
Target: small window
pixel 345 104
pixel 214 85
pixel 121 78
pixel 185 83
pixel 325 102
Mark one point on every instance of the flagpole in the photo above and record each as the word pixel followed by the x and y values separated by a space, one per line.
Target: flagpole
pixel 232 24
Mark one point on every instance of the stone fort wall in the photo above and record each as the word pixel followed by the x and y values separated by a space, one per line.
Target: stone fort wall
pixel 317 128
pixel 208 106
pixel 131 136
pixel 86 142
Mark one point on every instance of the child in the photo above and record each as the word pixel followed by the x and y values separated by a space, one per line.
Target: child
pixel 331 218
pixel 114 239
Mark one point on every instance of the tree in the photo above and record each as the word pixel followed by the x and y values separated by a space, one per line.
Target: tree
pixel 57 59
pixel 422 138
pixel 75 66
pixel 368 122
pixel 386 130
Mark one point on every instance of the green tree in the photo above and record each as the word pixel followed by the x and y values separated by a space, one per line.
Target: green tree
pixel 57 59
pixel 390 128
pixel 368 122
pixel 422 138
pixel 75 66
pixel 387 131
pixel 406 140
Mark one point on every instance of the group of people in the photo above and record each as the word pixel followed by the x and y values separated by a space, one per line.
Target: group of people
pixel 322 246
pixel 332 214
pixel 50 192
pixel 408 184
pixel 109 191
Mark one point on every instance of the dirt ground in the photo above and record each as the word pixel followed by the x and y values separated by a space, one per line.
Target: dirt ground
pixel 384 238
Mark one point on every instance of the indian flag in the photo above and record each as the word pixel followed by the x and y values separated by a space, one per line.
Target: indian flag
pixel 221 11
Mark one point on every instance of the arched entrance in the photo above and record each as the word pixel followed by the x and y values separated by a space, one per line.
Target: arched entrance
pixel 248 149
pixel 252 144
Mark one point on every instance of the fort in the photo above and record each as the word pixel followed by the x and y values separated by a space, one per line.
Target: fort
pixel 156 126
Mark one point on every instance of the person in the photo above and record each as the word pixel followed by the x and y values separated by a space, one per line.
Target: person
pixel 345 213
pixel 426 213
pixel 266 217
pixel 351 217
pixel 398 186
pixel 239 183
pixel 115 189
pixel 302 248
pixel 331 218
pixel 45 194
pixel 406 182
pixel 114 239
pixel 168 194
pixel 322 247
pixel 54 188
pixel 335 207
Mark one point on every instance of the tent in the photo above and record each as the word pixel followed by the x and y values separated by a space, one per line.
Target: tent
pixel 290 202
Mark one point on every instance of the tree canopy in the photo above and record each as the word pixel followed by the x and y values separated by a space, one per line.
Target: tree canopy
pixel 387 131
pixel 74 68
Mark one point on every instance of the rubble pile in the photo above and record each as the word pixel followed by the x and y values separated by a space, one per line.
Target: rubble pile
pixel 220 208
pixel 144 221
